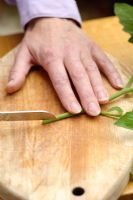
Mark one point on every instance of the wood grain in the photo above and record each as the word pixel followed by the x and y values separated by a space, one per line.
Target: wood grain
pixel 46 162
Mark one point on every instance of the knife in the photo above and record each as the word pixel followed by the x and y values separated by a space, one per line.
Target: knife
pixel 26 115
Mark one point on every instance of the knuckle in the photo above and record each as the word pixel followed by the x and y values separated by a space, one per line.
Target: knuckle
pixel 77 74
pixel 104 62
pixel 50 56
pixel 89 96
pixel 89 64
pixel 108 66
pixel 13 72
pixel 72 61
pixel 96 83
pixel 60 82
pixel 98 88
pixel 91 67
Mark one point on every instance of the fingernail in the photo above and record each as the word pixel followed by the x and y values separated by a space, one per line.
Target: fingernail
pixel 119 83
pixel 93 109
pixel 103 96
pixel 76 108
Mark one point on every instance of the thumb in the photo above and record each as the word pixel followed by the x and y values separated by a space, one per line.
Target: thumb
pixel 19 70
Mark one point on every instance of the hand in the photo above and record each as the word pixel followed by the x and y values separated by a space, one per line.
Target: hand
pixel 60 46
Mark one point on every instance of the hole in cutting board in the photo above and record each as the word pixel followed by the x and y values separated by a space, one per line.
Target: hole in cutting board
pixel 78 191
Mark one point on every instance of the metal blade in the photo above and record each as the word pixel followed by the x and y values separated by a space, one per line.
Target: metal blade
pixel 26 115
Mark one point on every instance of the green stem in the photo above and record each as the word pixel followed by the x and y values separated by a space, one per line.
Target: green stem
pixel 129 83
pixel 68 115
pixel 107 114
pixel 120 93
pixel 61 116
pixel 110 115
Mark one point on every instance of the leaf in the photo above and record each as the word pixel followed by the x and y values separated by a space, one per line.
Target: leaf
pixel 125 14
pixel 116 109
pixel 126 121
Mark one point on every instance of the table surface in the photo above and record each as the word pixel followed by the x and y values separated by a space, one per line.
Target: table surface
pixel 99 32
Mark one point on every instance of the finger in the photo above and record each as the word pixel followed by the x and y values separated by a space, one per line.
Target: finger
pixel 82 84
pixel 95 78
pixel 19 70
pixel 61 83
pixel 107 67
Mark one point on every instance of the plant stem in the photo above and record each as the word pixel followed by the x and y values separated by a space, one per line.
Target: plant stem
pixel 129 83
pixel 61 116
pixel 65 115
pixel 107 114
pixel 120 93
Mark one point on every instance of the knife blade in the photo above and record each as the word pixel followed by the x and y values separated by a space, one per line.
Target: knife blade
pixel 26 115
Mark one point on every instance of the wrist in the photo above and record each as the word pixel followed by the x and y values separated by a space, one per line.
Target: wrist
pixel 49 20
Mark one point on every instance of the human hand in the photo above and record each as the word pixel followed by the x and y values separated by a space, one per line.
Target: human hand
pixel 60 46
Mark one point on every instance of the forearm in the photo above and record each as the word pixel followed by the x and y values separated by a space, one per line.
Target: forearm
pixel 30 9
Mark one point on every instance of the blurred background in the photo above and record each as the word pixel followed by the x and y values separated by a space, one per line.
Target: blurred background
pixel 98 8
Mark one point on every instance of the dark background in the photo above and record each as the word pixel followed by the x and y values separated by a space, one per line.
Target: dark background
pixel 91 9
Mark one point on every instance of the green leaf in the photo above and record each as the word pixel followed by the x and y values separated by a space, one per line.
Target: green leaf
pixel 126 121
pixel 131 39
pixel 116 109
pixel 125 14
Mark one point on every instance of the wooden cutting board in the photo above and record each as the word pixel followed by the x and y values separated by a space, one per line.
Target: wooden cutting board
pixel 48 162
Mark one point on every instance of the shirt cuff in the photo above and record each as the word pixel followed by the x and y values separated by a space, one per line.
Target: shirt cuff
pixel 31 9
